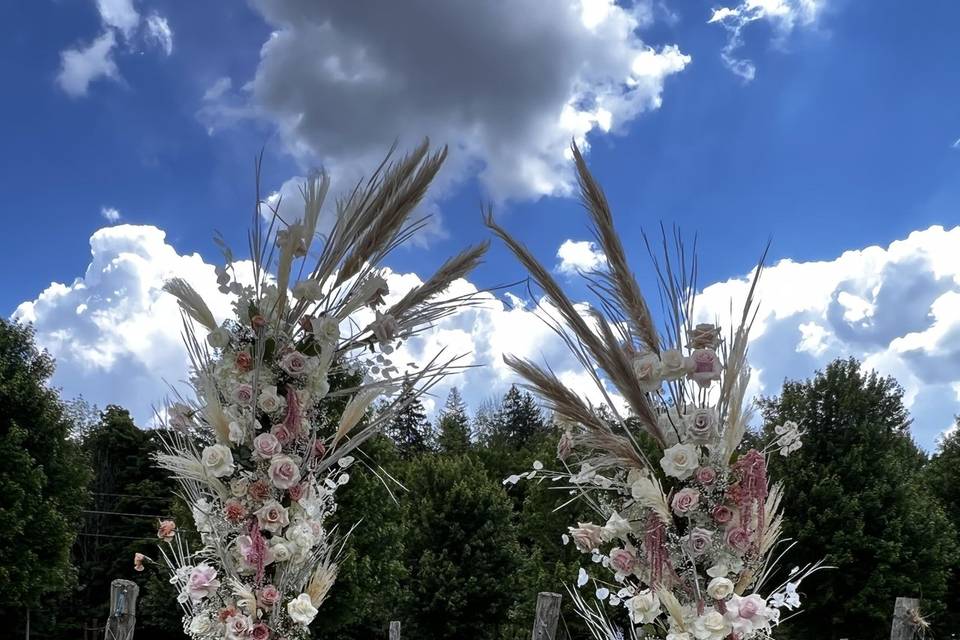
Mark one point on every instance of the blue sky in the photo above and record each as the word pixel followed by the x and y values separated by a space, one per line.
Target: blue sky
pixel 844 138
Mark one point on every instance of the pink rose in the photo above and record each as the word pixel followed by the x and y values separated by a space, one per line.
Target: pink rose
pixel 138 559
pixel 738 539
pixel 259 491
pixel 294 363
pixel 244 361
pixel 202 582
pixel 260 632
pixel 253 555
pixel 623 561
pixel 234 511
pixel 297 491
pixel 722 514
pixel 238 625
pixel 705 367
pixel 266 445
pixel 268 596
pixel 258 321
pixel 685 501
pixel 272 517
pixel 167 530
pixel 750 607
pixel 698 541
pixel 284 472
pixel 706 475
pixel 586 536
pixel 281 433
pixel 243 394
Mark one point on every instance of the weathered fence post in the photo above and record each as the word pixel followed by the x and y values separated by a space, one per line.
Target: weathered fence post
pixel 548 612
pixel 904 626
pixel 394 630
pixel 123 610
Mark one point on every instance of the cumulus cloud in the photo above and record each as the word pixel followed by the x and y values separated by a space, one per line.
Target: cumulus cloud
pixel 783 15
pixel 110 214
pixel 116 335
pixel 80 66
pixel 506 83
pixel 579 255
pixel 896 308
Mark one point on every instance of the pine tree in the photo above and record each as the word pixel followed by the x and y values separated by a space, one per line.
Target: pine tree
pixel 409 428
pixel 453 426
pixel 43 479
pixel 519 419
pixel 855 498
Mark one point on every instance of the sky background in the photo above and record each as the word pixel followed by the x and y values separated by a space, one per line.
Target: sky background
pixel 130 130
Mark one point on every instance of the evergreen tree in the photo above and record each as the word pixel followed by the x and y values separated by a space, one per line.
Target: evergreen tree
pixel 453 425
pixel 943 478
pixel 461 549
pixel 854 497
pixel 519 419
pixel 43 481
pixel 409 428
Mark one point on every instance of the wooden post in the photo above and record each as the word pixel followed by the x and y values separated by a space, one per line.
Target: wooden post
pixel 903 627
pixel 123 610
pixel 394 630
pixel 548 613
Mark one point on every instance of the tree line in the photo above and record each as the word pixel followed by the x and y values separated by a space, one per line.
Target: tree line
pixel 442 544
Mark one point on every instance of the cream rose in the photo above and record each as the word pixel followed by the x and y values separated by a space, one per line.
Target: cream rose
pixel 701 425
pixel 217 460
pixel 269 401
pixel 616 527
pixel 295 363
pixel 673 365
pixel 647 369
pixel 680 461
pixel 219 338
pixel 243 394
pixel 704 336
pixel 284 472
pixel 326 330
pixel 720 588
pixel 266 446
pixel 711 625
pixel 644 607
pixel 301 609
pixel 586 536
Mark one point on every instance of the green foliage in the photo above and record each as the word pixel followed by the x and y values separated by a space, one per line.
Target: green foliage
pixel 42 479
pixel 461 550
pixel 942 476
pixel 853 496
pixel 409 428
pixel 454 425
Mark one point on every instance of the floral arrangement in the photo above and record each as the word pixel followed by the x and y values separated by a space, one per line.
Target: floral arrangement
pixel 262 448
pixel 688 528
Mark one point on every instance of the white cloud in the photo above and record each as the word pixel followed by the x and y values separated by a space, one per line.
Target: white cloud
pixel 110 214
pixel 506 84
pixel 896 308
pixel 116 336
pixel 217 89
pixel 579 255
pixel 120 15
pixel 79 67
pixel 159 33
pixel 783 15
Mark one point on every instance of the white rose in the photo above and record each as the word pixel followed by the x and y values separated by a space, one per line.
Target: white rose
pixel 385 327
pixel 671 425
pixel 647 369
pixel 217 460
pixel 680 461
pixel 201 625
pixel 673 365
pixel 308 290
pixel 711 626
pixel 269 401
pixel 616 527
pixel 219 338
pixel 281 550
pixel 720 588
pixel 326 330
pixel 301 609
pixel 301 535
pixel 238 434
pixel 644 607
pixel 701 425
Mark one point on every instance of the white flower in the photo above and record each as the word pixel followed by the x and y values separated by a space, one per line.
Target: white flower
pixel 219 338
pixel 243 394
pixel 301 609
pixel 720 588
pixel 272 517
pixel 297 364
pixel 217 460
pixel 326 330
pixel 671 425
pixel 238 627
pixel 673 365
pixel 238 433
pixel 616 527
pixel 644 607
pixel 281 550
pixel 710 626
pixel 724 566
pixel 308 290
pixel 748 614
pixel 284 472
pixel 269 401
pixel 202 625
pixel 701 425
pixel 647 369
pixel 679 635
pixel 582 577
pixel 680 461
pixel 301 535
pixel 202 582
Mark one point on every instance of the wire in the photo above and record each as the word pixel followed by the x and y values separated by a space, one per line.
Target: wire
pixel 128 495
pixel 106 535
pixel 128 515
